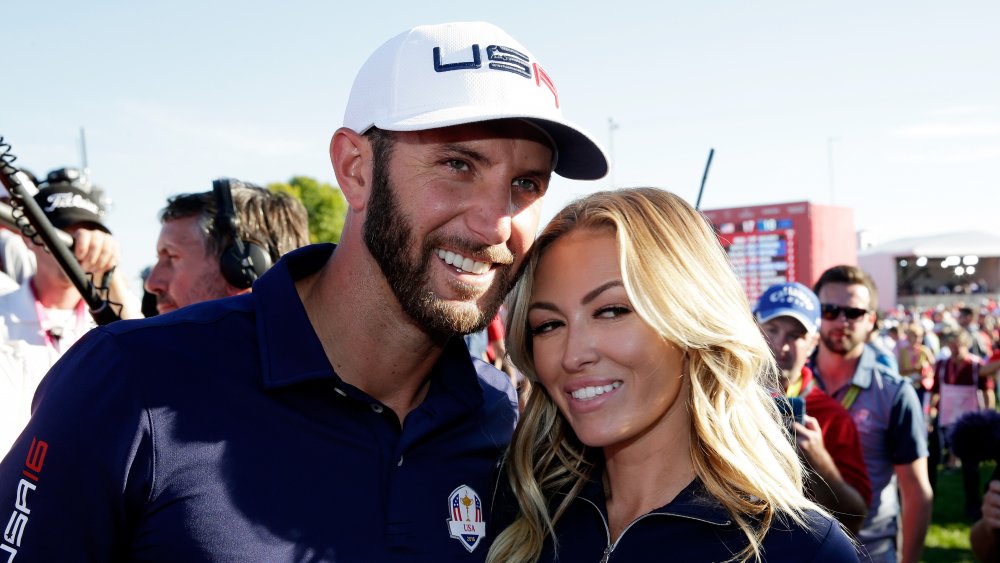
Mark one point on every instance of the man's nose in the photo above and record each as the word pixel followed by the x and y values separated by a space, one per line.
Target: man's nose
pixel 156 280
pixel 490 217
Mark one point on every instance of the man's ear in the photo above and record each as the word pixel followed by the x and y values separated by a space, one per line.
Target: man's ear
pixel 351 156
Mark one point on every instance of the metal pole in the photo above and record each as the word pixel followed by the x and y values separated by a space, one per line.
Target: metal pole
pixel 704 176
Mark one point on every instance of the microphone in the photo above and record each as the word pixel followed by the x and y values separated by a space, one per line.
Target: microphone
pixel 975 436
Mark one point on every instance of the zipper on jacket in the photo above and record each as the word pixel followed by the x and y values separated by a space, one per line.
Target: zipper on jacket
pixel 607 529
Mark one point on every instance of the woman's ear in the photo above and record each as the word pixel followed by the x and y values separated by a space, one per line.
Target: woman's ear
pixel 351 156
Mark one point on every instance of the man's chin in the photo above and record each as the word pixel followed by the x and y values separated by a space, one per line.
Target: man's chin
pixel 162 309
pixel 460 317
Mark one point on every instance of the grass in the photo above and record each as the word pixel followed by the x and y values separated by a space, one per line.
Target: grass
pixel 948 536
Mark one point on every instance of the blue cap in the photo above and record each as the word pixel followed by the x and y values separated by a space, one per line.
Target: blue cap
pixel 789 300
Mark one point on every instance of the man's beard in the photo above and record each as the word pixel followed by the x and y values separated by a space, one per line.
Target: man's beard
pixel 210 285
pixel 842 346
pixel 389 237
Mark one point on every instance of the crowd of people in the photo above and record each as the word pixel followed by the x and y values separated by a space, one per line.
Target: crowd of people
pixel 296 402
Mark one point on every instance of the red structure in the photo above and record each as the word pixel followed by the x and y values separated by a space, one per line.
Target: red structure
pixel 782 242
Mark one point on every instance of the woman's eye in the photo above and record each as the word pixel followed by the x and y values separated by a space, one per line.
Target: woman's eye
pixel 541 328
pixel 612 312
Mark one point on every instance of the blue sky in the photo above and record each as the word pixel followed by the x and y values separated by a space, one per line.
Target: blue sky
pixel 890 108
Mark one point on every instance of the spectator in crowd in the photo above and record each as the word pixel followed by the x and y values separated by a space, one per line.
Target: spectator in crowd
pixel 959 388
pixel 916 362
pixel 195 237
pixel 968 319
pixel 884 353
pixel 930 337
pixel 334 413
pixel 827 439
pixel 44 317
pixel 885 410
pixel 652 398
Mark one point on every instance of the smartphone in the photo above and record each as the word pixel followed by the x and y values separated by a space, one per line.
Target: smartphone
pixel 792 408
pixel 798 409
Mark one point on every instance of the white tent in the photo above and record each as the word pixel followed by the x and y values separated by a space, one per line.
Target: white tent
pixel 881 261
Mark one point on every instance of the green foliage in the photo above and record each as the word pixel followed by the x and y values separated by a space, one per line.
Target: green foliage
pixel 325 204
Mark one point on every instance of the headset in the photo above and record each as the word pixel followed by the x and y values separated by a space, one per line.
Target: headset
pixel 242 262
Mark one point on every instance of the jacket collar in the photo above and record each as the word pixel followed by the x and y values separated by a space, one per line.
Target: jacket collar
pixel 693 502
pixel 291 352
pixel 867 364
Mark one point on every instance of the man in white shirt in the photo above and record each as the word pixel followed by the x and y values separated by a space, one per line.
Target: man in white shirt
pixel 46 315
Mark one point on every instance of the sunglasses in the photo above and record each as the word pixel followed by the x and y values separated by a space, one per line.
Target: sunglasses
pixel 832 312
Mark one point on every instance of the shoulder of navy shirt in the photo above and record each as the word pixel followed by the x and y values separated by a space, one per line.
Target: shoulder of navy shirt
pixel 692 527
pixel 221 432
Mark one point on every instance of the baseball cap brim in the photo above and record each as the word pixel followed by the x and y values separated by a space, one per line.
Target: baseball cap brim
pixel 580 157
pixel 788 312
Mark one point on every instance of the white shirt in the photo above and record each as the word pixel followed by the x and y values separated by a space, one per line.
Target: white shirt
pixel 26 354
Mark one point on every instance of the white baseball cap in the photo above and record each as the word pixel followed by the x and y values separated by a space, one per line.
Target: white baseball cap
pixel 454 73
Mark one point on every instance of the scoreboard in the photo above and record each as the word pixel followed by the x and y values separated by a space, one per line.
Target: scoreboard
pixel 770 244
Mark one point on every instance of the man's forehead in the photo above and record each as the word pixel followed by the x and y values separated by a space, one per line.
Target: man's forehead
pixel 788 323
pixel 181 231
pixel 846 290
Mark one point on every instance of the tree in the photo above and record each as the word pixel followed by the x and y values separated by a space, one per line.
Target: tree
pixel 325 204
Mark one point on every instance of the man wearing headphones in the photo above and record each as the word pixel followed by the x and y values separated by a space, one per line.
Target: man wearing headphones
pixel 334 413
pixel 206 236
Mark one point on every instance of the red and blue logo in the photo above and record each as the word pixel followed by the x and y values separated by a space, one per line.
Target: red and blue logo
pixel 500 58
pixel 466 523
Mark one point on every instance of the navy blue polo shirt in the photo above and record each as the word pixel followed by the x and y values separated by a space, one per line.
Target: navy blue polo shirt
pixel 692 527
pixel 220 432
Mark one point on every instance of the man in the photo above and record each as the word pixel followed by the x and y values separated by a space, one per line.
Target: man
pixel 334 413
pixel 885 410
pixel 789 317
pixel 41 319
pixel 968 319
pixel 192 242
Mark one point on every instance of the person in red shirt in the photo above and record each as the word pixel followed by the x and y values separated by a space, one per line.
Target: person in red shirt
pixel 961 387
pixel 827 438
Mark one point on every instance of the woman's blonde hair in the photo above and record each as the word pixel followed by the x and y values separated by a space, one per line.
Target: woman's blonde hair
pixel 680 282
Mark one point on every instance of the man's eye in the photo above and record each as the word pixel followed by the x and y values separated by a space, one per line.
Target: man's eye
pixel 526 185
pixel 457 165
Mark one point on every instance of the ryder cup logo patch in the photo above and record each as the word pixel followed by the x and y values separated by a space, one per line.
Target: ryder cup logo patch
pixel 466 523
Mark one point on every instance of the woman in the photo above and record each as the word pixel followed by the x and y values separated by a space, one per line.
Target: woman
pixel 650 434
pixel 916 361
